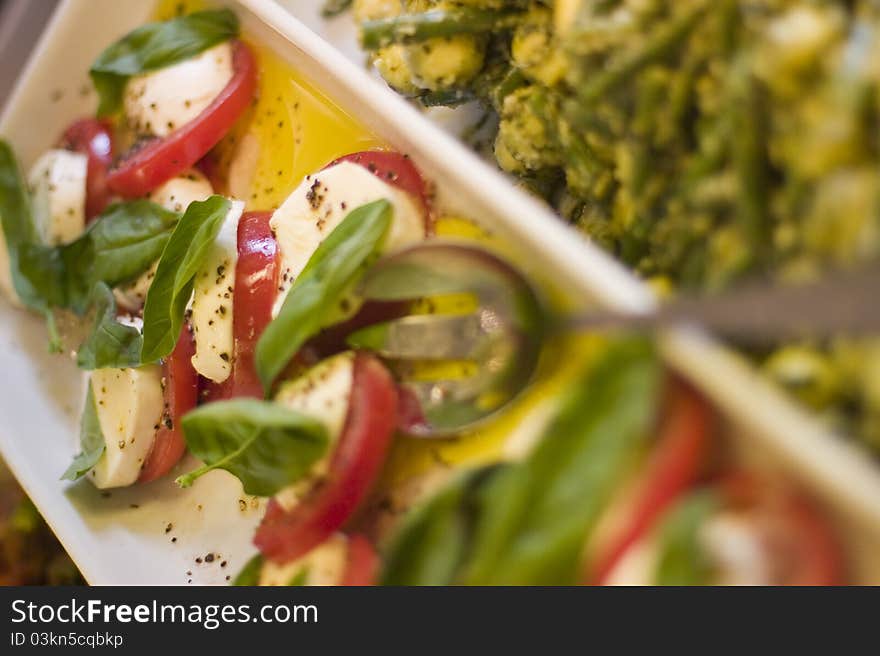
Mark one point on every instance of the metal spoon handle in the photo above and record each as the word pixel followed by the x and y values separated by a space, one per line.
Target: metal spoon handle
pixel 842 303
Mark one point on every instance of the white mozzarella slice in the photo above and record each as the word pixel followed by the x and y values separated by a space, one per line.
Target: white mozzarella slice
pixel 323 565
pixel 322 393
pixel 130 406
pixel 732 542
pixel 735 545
pixel 132 321
pixel 57 183
pixel 320 204
pixel 243 166
pixel 212 304
pixel 159 102
pixel 131 296
pixel 180 191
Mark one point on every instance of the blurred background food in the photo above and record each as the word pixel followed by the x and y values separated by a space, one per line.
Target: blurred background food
pixel 29 552
pixel 699 141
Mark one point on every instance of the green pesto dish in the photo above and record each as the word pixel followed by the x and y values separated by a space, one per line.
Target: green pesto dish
pixel 699 141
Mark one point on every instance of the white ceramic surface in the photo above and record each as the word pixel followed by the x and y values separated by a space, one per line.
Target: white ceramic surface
pixel 116 543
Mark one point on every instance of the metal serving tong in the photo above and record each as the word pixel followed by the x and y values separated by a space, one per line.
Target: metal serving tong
pixel 502 332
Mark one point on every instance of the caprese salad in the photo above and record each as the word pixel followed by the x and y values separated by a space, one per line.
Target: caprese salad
pixel 225 328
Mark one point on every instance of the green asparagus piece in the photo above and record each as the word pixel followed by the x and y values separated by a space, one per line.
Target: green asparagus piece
pixel 335 7
pixel 662 43
pixel 750 162
pixel 446 97
pixel 513 80
pixel 435 23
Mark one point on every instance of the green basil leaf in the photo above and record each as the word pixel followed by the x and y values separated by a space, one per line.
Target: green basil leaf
pixel 434 539
pixel 91 440
pixel 170 291
pixel 154 46
pixel 117 247
pixel 122 243
pixel 527 523
pixel 538 514
pixel 110 344
pixel 264 444
pixel 45 270
pixel 681 561
pixel 21 237
pixel 250 573
pixel 18 225
pixel 313 300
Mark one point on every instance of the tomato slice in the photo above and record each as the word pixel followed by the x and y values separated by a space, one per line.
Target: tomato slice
pixel 800 543
pixel 181 396
pixel 93 138
pixel 362 568
pixel 674 466
pixel 256 283
pixel 397 170
pixel 209 166
pixel 354 465
pixel 410 415
pixel 162 159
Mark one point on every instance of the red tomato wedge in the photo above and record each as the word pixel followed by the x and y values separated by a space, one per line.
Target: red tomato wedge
pixel 355 464
pixel 209 166
pixel 181 396
pixel 162 159
pixel 800 543
pixel 397 170
pixel 256 283
pixel 410 416
pixel 362 568
pixel 93 138
pixel 674 466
